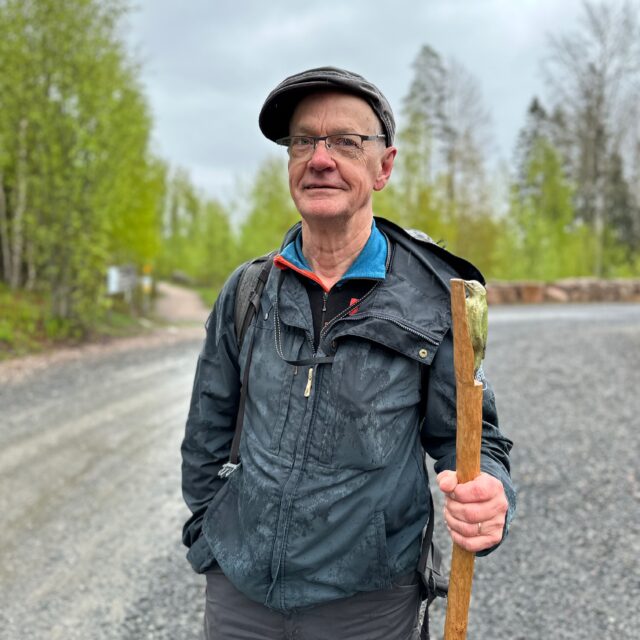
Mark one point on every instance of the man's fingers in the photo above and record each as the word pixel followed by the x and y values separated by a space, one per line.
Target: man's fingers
pixel 491 527
pixel 447 481
pixel 475 544
pixel 483 488
pixel 475 536
pixel 473 512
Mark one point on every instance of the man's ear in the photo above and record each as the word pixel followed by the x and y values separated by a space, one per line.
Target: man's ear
pixel 386 165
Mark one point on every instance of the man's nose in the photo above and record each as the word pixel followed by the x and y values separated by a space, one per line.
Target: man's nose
pixel 321 158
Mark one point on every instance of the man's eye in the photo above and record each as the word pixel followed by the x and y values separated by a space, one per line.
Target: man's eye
pixel 302 142
pixel 346 141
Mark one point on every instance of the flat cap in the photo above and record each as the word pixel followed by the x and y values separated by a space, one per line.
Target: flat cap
pixel 278 108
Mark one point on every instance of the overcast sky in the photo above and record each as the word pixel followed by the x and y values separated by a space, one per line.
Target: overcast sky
pixel 209 64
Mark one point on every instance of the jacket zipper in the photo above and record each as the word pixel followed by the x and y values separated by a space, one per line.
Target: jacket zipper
pixel 307 389
pixel 399 323
pixel 345 312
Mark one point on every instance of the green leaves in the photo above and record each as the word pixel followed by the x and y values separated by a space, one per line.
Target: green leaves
pixel 542 239
pixel 271 211
pixel 82 188
pixel 197 242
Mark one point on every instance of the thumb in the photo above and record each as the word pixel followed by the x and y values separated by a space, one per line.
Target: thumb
pixel 447 481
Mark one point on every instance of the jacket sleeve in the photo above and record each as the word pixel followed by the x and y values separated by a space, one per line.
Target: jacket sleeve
pixel 438 433
pixel 211 421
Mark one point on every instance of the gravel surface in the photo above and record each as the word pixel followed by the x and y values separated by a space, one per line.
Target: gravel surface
pixel 91 506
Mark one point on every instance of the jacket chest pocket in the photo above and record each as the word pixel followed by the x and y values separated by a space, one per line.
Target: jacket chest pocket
pixel 371 406
pixel 270 385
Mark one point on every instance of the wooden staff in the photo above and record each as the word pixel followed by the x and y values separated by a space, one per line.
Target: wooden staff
pixel 468 437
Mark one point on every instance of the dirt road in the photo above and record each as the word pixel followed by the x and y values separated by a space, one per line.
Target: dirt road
pixel 92 512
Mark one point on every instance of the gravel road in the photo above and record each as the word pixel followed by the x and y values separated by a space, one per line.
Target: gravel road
pixel 92 512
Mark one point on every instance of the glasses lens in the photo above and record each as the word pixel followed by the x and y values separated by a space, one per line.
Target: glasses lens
pixel 300 146
pixel 346 145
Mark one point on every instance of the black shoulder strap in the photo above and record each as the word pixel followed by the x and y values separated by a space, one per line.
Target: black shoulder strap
pixel 249 291
pixel 434 582
pixel 248 294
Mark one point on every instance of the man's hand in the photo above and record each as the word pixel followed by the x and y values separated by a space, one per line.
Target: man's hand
pixel 474 512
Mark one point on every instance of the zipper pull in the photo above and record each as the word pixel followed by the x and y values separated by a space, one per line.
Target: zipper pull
pixel 307 391
pixel 325 295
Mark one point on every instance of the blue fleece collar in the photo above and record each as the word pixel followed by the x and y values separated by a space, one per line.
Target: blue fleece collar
pixel 371 262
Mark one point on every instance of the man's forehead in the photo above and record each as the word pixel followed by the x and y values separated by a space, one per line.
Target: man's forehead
pixel 333 108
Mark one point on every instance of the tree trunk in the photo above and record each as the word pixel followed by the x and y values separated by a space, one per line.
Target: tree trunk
pixel 4 233
pixel 598 228
pixel 31 265
pixel 20 208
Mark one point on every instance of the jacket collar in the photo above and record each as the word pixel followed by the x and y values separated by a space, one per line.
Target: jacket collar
pixel 371 262
pixel 409 312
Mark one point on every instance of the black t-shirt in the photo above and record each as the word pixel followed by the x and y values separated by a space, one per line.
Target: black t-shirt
pixel 326 306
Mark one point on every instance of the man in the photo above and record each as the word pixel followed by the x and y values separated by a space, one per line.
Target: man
pixel 317 533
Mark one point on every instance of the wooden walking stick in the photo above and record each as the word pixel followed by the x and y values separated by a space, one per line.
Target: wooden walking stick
pixel 468 437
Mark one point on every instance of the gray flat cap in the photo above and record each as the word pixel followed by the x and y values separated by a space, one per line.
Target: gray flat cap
pixel 278 108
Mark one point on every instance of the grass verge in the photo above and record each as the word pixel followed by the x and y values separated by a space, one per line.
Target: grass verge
pixel 26 325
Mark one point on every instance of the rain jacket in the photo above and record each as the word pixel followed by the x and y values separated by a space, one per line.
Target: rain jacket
pixel 332 494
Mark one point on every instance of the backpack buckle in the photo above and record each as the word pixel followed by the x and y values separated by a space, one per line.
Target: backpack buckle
pixel 227 469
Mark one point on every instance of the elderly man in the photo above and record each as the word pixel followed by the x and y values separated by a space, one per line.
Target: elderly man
pixel 348 371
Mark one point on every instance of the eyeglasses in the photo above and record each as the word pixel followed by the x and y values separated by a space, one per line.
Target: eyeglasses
pixel 344 145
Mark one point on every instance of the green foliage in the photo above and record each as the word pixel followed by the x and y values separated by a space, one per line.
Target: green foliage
pixel 271 212
pixel 21 318
pixel 198 239
pixel 541 239
pixel 440 184
pixel 208 295
pixel 80 186
pixel 26 325
pixel 545 237
pixel 594 77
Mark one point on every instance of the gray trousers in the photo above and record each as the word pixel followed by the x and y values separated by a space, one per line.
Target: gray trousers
pixel 391 614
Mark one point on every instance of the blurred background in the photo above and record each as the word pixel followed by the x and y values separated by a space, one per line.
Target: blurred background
pixel 130 151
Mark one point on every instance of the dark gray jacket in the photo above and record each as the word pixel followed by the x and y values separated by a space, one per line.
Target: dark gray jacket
pixel 332 493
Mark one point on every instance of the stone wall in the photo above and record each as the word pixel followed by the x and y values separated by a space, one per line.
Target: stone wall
pixel 568 290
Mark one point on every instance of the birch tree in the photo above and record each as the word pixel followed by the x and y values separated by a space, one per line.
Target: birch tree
pixel 593 73
pixel 80 185
pixel 443 144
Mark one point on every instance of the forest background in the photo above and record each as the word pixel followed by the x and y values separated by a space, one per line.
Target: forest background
pixel 81 188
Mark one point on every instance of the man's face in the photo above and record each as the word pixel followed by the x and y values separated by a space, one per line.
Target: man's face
pixel 326 185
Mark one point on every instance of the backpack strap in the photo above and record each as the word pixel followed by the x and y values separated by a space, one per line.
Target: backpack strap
pixel 433 581
pixel 249 291
pixel 247 303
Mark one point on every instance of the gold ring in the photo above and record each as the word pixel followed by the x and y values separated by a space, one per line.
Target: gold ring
pixel 479 528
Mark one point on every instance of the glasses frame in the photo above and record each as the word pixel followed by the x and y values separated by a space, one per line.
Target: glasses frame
pixel 286 141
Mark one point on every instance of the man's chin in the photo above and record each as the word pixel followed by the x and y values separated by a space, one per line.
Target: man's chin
pixel 320 208
pixel 322 213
